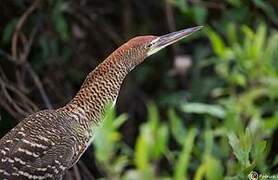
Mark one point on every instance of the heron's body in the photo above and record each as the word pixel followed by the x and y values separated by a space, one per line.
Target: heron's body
pixel 45 144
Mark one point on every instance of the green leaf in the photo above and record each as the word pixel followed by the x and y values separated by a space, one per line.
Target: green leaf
pixel 260 39
pixel 59 20
pixel 268 9
pixel 181 167
pixel 236 3
pixel 259 150
pixel 107 136
pixel 8 31
pixel 181 4
pixel 62 27
pixel 214 169
pixel 217 43
pixel 200 173
pixel 120 163
pixel 241 147
pixel 208 137
pixel 161 141
pixel 270 124
pixel 153 116
pixel 200 108
pixel 232 34
pixel 177 128
pixel 200 14
pixel 238 79
pixel 120 120
pixel 141 153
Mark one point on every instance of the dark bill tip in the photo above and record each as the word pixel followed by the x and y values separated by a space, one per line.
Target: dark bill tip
pixel 197 28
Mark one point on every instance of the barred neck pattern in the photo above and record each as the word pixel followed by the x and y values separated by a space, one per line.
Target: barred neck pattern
pixel 100 88
pixel 102 85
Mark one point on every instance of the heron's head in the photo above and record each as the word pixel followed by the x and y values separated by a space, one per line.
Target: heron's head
pixel 137 49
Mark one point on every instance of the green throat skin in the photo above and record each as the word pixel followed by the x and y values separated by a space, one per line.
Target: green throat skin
pixel 46 143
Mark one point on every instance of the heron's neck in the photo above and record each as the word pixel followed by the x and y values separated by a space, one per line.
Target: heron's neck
pixel 100 88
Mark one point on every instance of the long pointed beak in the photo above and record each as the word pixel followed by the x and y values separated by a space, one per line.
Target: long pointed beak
pixel 168 39
pixel 173 37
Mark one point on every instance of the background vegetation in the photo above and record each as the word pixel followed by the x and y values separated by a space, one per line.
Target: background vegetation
pixel 205 108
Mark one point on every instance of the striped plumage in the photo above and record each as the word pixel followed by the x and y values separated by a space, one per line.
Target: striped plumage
pixel 42 146
pixel 46 143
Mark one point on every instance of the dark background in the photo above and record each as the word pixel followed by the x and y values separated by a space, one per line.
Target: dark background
pixel 214 94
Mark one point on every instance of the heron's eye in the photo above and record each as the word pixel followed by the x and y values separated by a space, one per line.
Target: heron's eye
pixel 149 45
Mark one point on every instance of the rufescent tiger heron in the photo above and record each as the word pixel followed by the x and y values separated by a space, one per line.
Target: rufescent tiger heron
pixel 46 143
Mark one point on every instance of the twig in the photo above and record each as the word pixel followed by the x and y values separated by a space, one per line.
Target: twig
pixel 23 98
pixel 19 25
pixel 209 5
pixel 22 58
pixel 68 176
pixel 76 172
pixel 170 16
pixel 39 85
pixel 127 18
pixel 9 109
pixel 8 57
pixel 9 98
pixel 29 45
pixel 34 77
pixel 171 24
pixel 85 170
pixel 2 74
pixel 32 73
pixel 20 109
pixel 107 29
pixel 29 68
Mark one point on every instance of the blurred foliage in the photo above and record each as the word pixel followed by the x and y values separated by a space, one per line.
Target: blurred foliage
pixel 215 119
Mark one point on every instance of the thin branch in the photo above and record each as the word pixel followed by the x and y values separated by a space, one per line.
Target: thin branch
pixel 76 172
pixel 39 85
pixel 127 18
pixel 9 98
pixel 170 16
pixel 28 47
pixel 209 5
pixel 22 107
pixel 2 74
pixel 86 170
pixel 8 57
pixel 171 24
pixel 19 25
pixel 23 97
pixel 27 66
pixel 68 176
pixel 9 109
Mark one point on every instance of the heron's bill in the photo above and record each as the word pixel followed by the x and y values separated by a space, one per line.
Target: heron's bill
pixel 168 39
